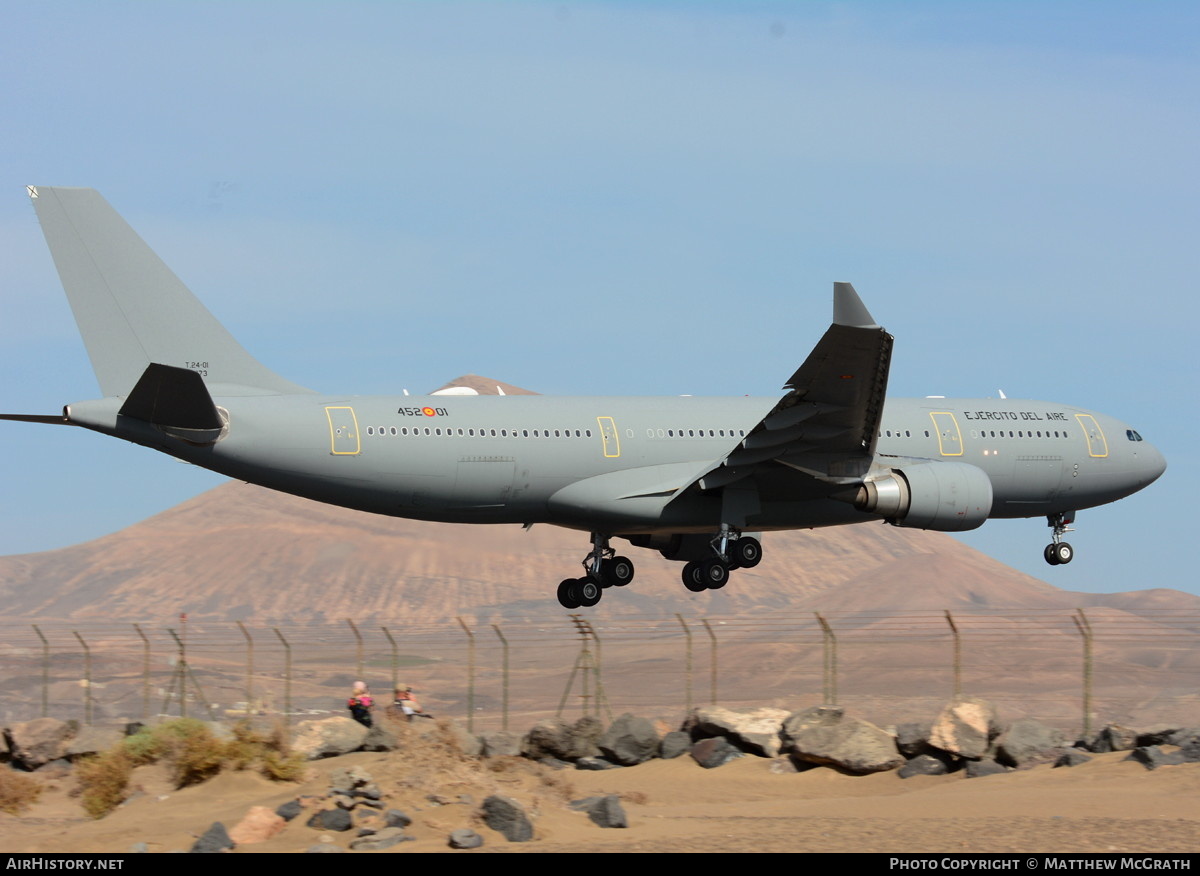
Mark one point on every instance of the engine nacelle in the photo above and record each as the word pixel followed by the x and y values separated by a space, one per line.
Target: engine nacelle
pixel 944 496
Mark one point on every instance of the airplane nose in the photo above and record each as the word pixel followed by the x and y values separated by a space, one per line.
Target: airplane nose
pixel 1151 463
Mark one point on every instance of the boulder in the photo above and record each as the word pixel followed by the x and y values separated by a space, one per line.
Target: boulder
pixel 35 743
pixel 1071 757
pixel 1113 737
pixel 289 810
pixel 714 752
pixel 630 740
pixel 674 744
pixel 984 767
pixel 1027 742
pixel 586 734
pixel 258 825
pixel 215 839
pixel 499 743
pixel 1152 757
pixel 384 839
pixel 328 737
pixel 379 738
pixel 331 819
pixel 604 811
pixel 465 839
pixel 965 727
pixel 912 739
pixel 824 735
pixel 93 739
pixel 505 816
pixel 923 765
pixel 550 737
pixel 755 731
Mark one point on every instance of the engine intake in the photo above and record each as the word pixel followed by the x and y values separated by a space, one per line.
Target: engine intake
pixel 943 496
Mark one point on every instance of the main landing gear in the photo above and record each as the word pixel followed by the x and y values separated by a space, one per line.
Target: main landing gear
pixel 1058 552
pixel 731 551
pixel 604 569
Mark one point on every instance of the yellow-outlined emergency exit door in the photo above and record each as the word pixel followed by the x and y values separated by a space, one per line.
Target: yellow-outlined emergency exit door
pixel 344 439
pixel 1097 444
pixel 948 434
pixel 608 434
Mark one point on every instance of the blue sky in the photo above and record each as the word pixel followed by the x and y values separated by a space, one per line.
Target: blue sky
pixel 624 198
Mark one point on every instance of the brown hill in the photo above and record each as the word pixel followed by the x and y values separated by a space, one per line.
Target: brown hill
pixel 241 552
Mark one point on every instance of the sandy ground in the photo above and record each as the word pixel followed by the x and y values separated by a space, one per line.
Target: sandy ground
pixel 749 805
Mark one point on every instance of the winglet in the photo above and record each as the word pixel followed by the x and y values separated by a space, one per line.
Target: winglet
pixel 849 310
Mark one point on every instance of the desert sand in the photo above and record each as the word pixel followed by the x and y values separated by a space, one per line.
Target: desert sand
pixel 749 805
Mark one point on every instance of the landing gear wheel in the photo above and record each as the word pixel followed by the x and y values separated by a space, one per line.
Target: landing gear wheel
pixel 747 552
pixel 1050 553
pixel 617 572
pixel 568 594
pixel 715 574
pixel 693 579
pixel 589 592
pixel 1063 553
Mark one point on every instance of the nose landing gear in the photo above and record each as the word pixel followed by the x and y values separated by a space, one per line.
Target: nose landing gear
pixel 1058 552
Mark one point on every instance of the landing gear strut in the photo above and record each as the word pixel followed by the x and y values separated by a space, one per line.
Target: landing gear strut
pixel 604 569
pixel 1058 552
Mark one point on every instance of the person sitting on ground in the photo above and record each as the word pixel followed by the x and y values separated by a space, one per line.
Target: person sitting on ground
pixel 360 703
pixel 407 704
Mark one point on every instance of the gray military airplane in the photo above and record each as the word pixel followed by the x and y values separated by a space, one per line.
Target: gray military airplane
pixel 697 479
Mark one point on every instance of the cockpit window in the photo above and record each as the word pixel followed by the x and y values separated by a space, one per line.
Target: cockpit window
pixel 1132 435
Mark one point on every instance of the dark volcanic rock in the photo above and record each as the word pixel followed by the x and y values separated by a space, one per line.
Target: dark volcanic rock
pixel 465 839
pixel 215 839
pixel 714 752
pixel 630 741
pixel 331 819
pixel 605 811
pixel 506 816
pixel 923 765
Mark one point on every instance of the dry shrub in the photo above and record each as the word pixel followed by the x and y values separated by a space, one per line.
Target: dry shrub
pixel 17 791
pixel 103 781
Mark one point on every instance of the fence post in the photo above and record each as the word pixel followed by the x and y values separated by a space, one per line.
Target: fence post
pixel 249 671
pixel 712 667
pixel 145 674
pixel 830 661
pixel 687 664
pixel 503 678
pixel 395 659
pixel 1084 626
pixel 470 675
pixel 957 655
pixel 45 671
pixel 358 651
pixel 287 679
pixel 87 678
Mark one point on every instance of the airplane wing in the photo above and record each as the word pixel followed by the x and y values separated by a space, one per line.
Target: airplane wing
pixel 822 433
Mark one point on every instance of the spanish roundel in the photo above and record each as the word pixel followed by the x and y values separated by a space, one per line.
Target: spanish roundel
pixel 429 412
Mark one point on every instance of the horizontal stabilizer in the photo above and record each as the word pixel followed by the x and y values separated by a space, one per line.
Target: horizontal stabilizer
pixel 172 397
pixel 51 419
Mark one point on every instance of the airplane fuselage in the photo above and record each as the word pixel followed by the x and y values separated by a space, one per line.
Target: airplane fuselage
pixel 515 459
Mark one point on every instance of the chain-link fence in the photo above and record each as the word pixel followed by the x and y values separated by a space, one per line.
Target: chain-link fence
pixel 1077 669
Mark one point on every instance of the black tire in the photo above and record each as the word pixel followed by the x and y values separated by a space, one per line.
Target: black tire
pixel 1050 555
pixel 692 578
pixel 589 592
pixel 617 572
pixel 747 552
pixel 568 594
pixel 715 574
pixel 1064 553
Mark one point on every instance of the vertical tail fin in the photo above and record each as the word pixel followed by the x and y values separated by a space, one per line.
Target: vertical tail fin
pixel 131 309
